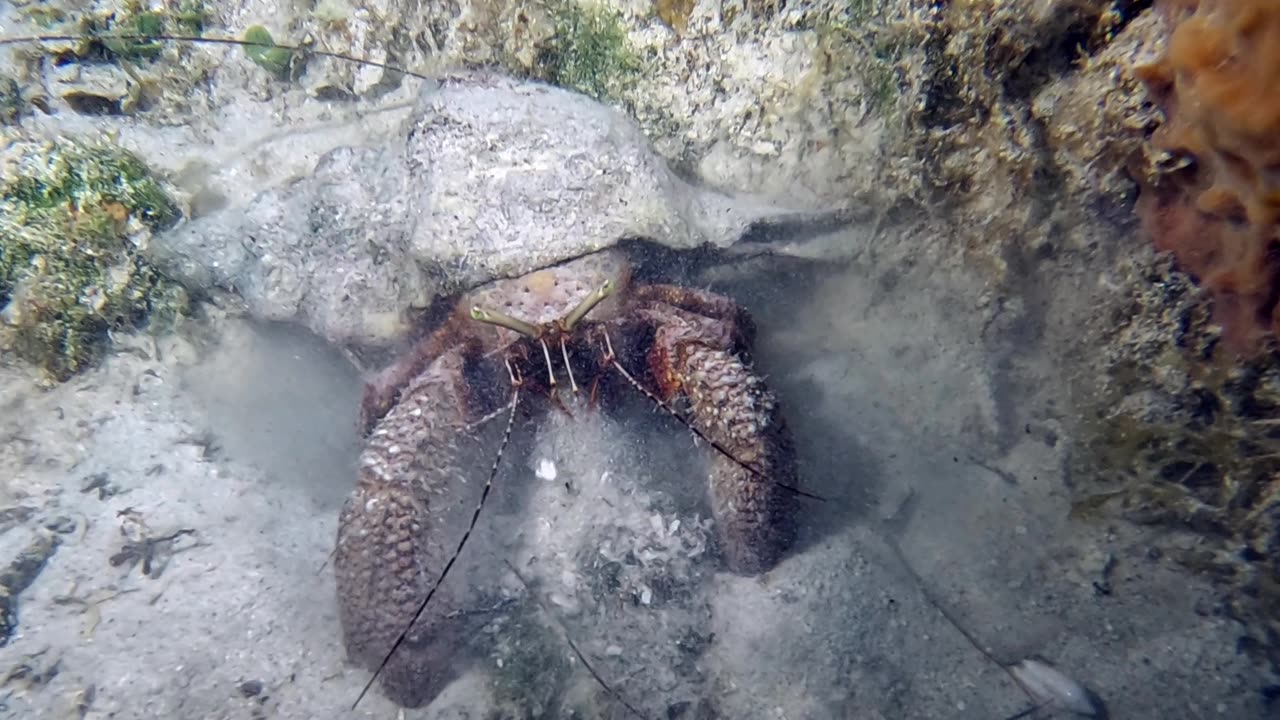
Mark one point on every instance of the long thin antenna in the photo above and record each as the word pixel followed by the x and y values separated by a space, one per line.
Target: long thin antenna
pixel 572 645
pixel 612 359
pixel 951 620
pixel 568 367
pixel 210 40
pixel 475 516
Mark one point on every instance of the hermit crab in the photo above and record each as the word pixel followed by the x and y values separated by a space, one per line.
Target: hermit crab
pixel 583 326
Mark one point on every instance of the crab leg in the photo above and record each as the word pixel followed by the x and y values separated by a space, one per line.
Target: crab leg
pixel 568 367
pixel 390 560
pixel 385 547
pixel 735 328
pixel 383 390
pixel 551 372
pixel 751 479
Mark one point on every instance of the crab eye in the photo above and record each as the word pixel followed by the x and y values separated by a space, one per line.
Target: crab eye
pixel 575 316
pixel 493 317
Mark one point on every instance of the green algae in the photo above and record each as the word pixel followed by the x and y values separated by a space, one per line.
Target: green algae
pixel 1178 433
pixel 590 52
pixel 10 100
pixel 73 218
pixel 265 54
pixel 136 19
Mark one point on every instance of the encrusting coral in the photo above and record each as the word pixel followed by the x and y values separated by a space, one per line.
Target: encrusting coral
pixel 1216 210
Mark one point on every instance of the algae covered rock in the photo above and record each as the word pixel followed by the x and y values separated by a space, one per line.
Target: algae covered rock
pixel 86 74
pixel 1177 432
pixel 74 217
pixel 1179 411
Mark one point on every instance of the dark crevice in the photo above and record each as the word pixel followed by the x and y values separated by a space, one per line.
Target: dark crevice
pixel 944 105
pixel 1037 56
pixel 1040 65
pixel 1267 309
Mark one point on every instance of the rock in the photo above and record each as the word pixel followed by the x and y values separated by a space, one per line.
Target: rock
pixel 489 177
pixel 96 89
pixel 18 576
pixel 768 98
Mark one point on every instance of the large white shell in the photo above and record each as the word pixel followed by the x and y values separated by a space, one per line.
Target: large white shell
pixel 1049 687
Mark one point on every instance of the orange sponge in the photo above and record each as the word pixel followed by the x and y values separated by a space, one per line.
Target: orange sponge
pixel 1218 85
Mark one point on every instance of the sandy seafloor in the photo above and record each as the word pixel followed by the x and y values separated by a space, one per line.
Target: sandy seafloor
pixel 244 435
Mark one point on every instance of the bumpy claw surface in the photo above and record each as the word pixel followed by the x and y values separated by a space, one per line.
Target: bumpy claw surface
pixel 754 510
pixel 383 390
pixel 389 550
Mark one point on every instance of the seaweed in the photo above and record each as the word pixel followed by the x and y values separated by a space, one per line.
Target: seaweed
pixel 590 52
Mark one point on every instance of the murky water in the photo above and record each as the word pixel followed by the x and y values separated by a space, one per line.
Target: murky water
pixel 168 515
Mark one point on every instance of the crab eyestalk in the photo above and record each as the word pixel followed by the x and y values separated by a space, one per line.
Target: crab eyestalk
pixel 589 302
pixel 493 317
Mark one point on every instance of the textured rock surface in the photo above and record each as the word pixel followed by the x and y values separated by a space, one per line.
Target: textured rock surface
pixel 974 119
pixel 1174 431
pixel 1176 403
pixel 492 177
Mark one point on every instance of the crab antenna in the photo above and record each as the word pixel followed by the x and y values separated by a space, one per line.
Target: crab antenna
pixel 589 302
pixel 206 40
pixel 493 317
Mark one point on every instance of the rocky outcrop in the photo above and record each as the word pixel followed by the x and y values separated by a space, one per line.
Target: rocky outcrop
pixel 491 177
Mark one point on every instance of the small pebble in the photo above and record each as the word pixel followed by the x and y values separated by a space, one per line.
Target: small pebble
pixel 61 524
pixel 251 688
